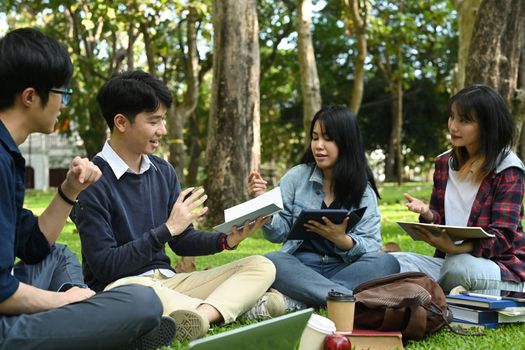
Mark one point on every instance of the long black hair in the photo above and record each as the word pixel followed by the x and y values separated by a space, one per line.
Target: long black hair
pixel 484 105
pixel 351 172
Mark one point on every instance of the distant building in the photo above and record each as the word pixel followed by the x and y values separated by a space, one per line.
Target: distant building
pixel 48 158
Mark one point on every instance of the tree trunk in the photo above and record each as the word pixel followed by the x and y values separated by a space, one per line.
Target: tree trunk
pixel 356 21
pixel 394 158
pixel 194 152
pixel 467 10
pixel 175 126
pixel 234 104
pixel 397 127
pixel 178 114
pixel 95 136
pixel 495 50
pixel 309 79
pixel 395 155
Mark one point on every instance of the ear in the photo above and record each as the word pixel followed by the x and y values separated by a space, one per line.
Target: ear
pixel 29 97
pixel 121 122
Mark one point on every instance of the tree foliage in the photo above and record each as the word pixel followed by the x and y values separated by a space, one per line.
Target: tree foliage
pixel 416 42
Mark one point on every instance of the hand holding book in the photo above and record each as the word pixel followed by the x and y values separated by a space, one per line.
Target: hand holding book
pixel 249 227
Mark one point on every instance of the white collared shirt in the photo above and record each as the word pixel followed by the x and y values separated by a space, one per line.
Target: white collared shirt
pixel 118 165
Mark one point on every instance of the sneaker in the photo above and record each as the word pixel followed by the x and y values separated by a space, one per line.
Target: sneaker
pixel 190 324
pixel 457 290
pixel 289 303
pixel 161 336
pixel 268 306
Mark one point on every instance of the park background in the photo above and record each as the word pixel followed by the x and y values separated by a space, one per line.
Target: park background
pixel 247 77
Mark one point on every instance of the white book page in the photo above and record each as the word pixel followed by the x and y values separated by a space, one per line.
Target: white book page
pixel 264 200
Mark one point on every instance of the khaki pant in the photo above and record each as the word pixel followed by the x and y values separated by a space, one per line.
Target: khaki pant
pixel 232 288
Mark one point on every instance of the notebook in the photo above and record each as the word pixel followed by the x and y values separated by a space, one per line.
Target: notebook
pixel 283 332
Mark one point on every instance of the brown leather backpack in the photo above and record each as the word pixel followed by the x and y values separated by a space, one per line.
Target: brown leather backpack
pixel 409 302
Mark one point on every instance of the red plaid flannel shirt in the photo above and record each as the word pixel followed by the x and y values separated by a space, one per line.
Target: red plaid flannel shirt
pixel 498 209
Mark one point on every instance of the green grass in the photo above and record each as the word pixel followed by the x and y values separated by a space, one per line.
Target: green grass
pixel 392 207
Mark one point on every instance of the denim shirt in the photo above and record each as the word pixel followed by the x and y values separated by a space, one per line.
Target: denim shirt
pixel 302 188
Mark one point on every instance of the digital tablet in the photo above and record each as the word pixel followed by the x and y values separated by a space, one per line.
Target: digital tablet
pixel 337 216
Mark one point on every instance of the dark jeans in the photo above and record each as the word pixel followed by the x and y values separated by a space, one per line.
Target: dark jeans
pixel 108 320
pixel 308 277
pixel 61 266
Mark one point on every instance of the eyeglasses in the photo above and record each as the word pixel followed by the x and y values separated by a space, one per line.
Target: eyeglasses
pixel 66 94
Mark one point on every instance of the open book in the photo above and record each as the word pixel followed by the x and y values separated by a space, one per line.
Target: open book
pixel 266 204
pixel 456 233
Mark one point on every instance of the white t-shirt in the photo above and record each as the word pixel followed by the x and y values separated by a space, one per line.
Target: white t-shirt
pixel 459 197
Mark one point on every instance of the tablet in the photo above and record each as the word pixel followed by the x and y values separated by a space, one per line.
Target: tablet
pixel 298 232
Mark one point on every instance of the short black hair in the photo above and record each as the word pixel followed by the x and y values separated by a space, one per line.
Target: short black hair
pixel 29 58
pixel 131 93
pixel 351 172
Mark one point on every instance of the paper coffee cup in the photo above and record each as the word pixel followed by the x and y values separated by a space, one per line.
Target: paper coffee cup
pixel 317 328
pixel 341 308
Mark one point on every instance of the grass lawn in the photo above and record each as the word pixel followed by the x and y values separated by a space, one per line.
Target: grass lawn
pixel 508 337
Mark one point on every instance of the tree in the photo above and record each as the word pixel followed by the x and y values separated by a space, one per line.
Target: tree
pixel 101 48
pixel 467 10
pixel 234 105
pixel 310 86
pixel 356 13
pixel 180 112
pixel 403 40
pixel 495 52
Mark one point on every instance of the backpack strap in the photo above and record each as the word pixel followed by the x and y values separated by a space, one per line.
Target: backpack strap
pixel 436 310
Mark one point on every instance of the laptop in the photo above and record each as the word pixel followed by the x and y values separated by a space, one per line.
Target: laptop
pixel 283 332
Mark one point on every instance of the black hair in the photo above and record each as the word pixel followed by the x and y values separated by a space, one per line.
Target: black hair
pixel 131 93
pixel 29 58
pixel 484 105
pixel 351 172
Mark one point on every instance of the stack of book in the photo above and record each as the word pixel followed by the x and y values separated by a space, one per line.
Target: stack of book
pixel 485 311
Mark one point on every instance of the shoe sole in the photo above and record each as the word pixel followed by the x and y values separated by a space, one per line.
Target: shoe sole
pixel 160 336
pixel 190 324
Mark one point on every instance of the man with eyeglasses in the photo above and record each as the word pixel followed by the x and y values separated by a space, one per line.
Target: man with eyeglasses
pixel 66 95
pixel 43 301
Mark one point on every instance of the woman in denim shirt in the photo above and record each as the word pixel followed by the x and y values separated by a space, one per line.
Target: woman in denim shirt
pixel 333 174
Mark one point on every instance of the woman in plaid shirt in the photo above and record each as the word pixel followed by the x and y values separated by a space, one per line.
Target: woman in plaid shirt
pixel 479 182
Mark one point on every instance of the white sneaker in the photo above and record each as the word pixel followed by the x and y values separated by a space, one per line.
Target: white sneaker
pixel 190 324
pixel 268 306
pixel 457 290
pixel 289 303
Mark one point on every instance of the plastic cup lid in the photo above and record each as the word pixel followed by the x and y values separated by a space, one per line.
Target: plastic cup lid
pixel 321 324
pixel 336 296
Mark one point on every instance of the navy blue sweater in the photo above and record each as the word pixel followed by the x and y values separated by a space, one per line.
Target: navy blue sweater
pixel 122 224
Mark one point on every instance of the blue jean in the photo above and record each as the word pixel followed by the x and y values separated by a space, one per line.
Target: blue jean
pixel 308 277
pixel 473 273
pixel 108 320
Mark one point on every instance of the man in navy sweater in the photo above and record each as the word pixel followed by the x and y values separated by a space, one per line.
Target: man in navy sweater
pixel 127 217
pixel 42 300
